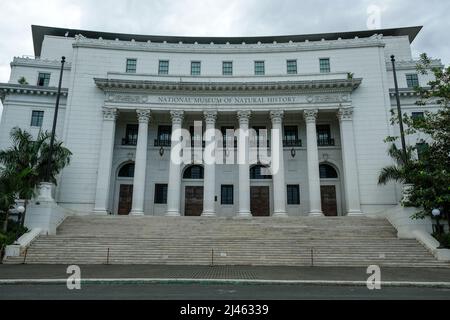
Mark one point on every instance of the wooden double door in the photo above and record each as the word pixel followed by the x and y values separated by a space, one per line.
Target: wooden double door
pixel 329 201
pixel 193 201
pixel 125 199
pixel 260 201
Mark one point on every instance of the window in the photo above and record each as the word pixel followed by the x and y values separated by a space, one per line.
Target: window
pixel 37 117
pixel 422 148
pixel 327 172
pixel 131 66
pixel 324 135
pixel 260 173
pixel 195 68
pixel 164 135
pixel 293 194
pixel 194 172
pixel 290 138
pixel 228 138
pixel 259 68
pixel 227 68
pixel 160 193
pixel 127 171
pixel 227 194
pixel 412 80
pixel 417 116
pixel 292 66
pixel 131 135
pixel 324 65
pixel 163 67
pixel 43 79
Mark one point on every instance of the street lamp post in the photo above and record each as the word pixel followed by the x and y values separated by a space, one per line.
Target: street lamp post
pixel 399 109
pixel 55 119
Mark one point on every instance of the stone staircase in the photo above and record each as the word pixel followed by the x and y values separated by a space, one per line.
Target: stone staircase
pixel 303 241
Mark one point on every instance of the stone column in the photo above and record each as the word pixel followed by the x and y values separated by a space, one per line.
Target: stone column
pixel 209 188
pixel 315 203
pixel 279 185
pixel 244 164
pixel 140 164
pixel 105 161
pixel 174 186
pixel 351 184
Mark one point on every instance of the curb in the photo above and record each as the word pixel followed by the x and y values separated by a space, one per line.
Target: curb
pixel 143 281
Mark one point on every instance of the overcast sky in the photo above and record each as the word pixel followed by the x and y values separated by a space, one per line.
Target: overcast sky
pixel 219 18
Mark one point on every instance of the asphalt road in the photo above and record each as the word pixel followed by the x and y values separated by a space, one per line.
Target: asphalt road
pixel 216 292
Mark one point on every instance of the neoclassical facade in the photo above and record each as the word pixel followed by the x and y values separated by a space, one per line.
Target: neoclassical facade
pixel 328 98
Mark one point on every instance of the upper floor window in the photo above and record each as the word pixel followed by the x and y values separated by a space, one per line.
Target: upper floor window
pixel 196 68
pixel 164 136
pixel 127 171
pixel 324 65
pixel 37 118
pixel 412 80
pixel 163 67
pixel 227 68
pixel 417 116
pixel 194 172
pixel 327 172
pixel 324 135
pixel 292 66
pixel 290 138
pixel 131 135
pixel 422 149
pixel 131 66
pixel 260 68
pixel 43 79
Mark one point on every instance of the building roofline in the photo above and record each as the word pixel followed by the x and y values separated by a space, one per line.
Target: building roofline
pixel 39 32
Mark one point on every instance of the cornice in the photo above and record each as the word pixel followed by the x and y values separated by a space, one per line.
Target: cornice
pixel 83 42
pixel 40 63
pixel 337 85
pixel 411 64
pixel 8 88
pixel 404 92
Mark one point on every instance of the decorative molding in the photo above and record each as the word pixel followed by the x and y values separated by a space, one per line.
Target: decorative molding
pixel 210 117
pixel 310 115
pixel 244 116
pixel 40 63
pixel 345 114
pixel 8 88
pixel 177 116
pixel 405 92
pixel 412 64
pixel 127 98
pixel 328 98
pixel 110 114
pixel 143 115
pixel 277 116
pixel 330 86
pixel 374 41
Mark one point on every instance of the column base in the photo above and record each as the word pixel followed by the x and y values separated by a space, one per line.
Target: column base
pixel 173 214
pixel 244 215
pixel 282 214
pixel 355 213
pixel 100 212
pixel 211 214
pixel 137 213
pixel 316 214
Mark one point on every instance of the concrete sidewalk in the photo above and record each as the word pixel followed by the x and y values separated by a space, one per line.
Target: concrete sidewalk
pixel 13 274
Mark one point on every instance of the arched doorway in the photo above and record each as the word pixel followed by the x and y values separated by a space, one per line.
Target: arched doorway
pixel 124 188
pixel 261 182
pixel 193 190
pixel 330 190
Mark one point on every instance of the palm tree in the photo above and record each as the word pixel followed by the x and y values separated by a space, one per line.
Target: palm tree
pixel 32 155
pixel 402 170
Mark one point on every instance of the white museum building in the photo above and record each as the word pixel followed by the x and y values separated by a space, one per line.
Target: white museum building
pixel 328 97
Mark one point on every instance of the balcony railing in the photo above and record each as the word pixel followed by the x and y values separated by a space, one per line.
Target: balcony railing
pixel 129 142
pixel 326 142
pixel 291 143
pixel 163 143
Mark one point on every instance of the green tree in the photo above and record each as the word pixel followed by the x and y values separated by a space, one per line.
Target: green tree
pixel 429 174
pixel 31 155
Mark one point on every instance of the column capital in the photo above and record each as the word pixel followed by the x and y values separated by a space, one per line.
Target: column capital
pixel 110 114
pixel 177 116
pixel 345 114
pixel 210 117
pixel 143 115
pixel 244 116
pixel 310 115
pixel 277 116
